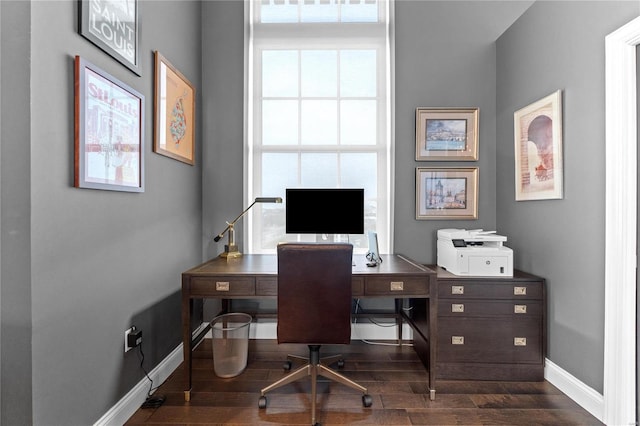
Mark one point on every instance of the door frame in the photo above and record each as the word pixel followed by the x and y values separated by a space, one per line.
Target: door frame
pixel 619 386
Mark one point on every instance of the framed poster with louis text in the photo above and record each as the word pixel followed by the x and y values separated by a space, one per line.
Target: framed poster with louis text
pixel 113 26
pixel 109 131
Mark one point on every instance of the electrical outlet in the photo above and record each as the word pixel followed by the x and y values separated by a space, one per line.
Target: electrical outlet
pixel 132 338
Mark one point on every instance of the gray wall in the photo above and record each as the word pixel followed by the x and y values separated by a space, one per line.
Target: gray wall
pixel 88 263
pixel 445 57
pixel 560 45
pixel 15 209
pixel 223 106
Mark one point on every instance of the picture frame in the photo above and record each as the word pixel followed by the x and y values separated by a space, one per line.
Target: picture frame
pixel 538 149
pixel 447 134
pixel 174 112
pixel 446 193
pixel 113 26
pixel 109 131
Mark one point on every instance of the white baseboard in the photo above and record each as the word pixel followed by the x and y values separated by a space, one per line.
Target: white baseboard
pixel 129 404
pixel 582 394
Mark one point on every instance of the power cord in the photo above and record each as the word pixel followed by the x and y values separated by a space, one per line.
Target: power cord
pixel 152 401
pixel 371 320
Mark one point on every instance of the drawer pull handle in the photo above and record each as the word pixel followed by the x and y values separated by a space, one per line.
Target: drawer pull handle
pixel 457 289
pixel 519 341
pixel 457 307
pixel 457 340
pixel 396 286
pixel 222 285
pixel 519 291
pixel 519 309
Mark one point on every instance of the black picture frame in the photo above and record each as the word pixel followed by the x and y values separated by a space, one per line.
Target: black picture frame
pixel 113 26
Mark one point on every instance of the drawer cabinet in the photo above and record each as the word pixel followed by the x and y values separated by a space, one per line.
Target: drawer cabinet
pixel 490 328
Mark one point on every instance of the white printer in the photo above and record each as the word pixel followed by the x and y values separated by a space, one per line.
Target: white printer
pixel 474 253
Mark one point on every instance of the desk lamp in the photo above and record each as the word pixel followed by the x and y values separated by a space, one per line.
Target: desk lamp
pixel 231 249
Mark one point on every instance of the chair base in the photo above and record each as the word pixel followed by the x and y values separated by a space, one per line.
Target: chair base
pixel 315 367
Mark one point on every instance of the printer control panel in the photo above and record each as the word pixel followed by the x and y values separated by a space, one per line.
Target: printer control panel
pixel 458 243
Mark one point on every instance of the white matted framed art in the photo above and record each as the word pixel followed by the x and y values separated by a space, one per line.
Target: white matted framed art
pixel 446 193
pixel 174 103
pixel 447 134
pixel 109 131
pixel 538 149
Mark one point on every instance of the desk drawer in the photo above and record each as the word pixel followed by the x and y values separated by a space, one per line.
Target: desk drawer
pixel 489 289
pixel 502 308
pixel 269 286
pixel 357 286
pixel 266 286
pixel 397 286
pixel 490 340
pixel 223 286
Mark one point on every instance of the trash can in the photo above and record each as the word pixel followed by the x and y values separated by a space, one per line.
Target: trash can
pixel 230 343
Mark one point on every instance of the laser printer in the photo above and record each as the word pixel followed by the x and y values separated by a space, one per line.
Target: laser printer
pixel 474 253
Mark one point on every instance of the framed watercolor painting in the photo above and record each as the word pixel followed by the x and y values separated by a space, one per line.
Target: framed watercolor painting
pixel 113 26
pixel 538 149
pixel 109 131
pixel 174 113
pixel 446 193
pixel 447 134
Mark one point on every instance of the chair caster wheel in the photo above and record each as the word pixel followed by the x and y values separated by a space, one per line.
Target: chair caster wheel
pixel 287 365
pixel 367 401
pixel 341 363
pixel 262 402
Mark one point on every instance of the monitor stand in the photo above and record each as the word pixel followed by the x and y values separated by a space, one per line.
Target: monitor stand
pixel 332 238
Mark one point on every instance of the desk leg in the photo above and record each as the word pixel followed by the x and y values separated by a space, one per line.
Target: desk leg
pixel 398 303
pixel 433 338
pixel 186 338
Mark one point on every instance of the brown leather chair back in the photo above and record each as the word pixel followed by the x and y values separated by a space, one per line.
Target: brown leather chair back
pixel 314 293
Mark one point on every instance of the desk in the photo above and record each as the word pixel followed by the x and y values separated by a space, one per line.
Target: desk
pixel 255 277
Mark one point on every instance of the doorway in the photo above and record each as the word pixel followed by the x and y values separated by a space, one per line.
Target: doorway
pixel 621 221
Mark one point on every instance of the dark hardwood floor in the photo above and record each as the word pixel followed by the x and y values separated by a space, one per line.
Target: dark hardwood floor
pixel 394 376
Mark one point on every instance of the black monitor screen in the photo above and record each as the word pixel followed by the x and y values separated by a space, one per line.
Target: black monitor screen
pixel 324 211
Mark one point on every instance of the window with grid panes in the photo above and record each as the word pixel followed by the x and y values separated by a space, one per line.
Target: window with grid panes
pixel 318 111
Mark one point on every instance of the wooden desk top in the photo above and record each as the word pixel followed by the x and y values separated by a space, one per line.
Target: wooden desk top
pixel 267 265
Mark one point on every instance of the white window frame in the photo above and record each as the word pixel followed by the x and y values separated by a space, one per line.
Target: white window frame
pixel 261 37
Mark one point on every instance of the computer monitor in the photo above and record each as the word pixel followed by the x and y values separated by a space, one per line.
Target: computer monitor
pixel 324 211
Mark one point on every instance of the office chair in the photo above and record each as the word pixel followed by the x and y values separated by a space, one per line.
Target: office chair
pixel 314 307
